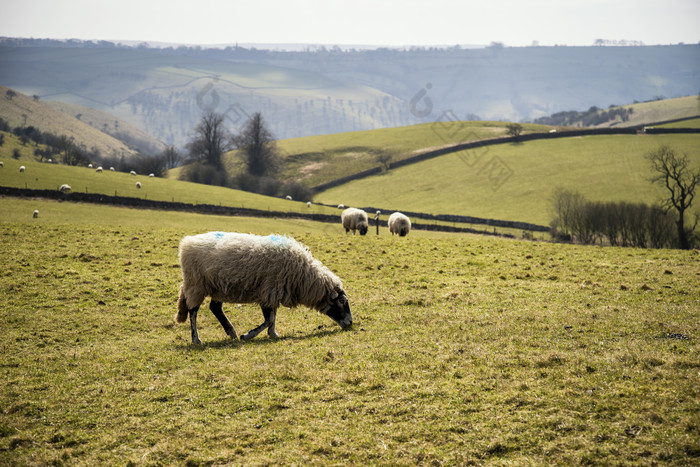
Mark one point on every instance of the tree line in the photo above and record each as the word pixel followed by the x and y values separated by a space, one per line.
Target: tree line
pixel 619 223
pixel 591 117
pixel 257 149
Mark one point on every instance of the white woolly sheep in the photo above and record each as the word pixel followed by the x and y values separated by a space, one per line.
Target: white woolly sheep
pixel 308 204
pixel 89 166
pixel 138 184
pixel 99 169
pixel 36 214
pixel 399 224
pixel 2 164
pixel 132 173
pixel 288 198
pixel 111 169
pixel 64 188
pixel 354 219
pixel 151 175
pixel 341 206
pixel 21 168
pixel 245 268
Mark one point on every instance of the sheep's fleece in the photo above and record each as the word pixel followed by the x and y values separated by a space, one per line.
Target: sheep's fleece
pixel 244 268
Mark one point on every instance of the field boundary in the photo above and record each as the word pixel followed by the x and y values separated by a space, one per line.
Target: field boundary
pixel 138 203
pixel 635 130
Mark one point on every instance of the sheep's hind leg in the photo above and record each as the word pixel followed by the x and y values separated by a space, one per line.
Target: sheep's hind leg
pixel 270 314
pixel 193 325
pixel 216 308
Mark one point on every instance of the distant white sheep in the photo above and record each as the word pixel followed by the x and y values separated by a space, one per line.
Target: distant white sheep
pixel 399 224
pixel 151 175
pixel 308 204
pixel 98 170
pixel 36 214
pixel 2 164
pixel 138 184
pixel 89 166
pixel 244 268
pixel 341 206
pixel 288 198
pixel 354 219
pixel 132 172
pixel 111 169
pixel 65 188
pixel 21 168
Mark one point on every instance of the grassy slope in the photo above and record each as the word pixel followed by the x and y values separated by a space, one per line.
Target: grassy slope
pixel 515 181
pixel 52 176
pixel 465 350
pixel 319 159
pixel 48 119
pixel 661 110
pixel 107 123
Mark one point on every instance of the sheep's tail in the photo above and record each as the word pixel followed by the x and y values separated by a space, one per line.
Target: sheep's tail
pixel 182 313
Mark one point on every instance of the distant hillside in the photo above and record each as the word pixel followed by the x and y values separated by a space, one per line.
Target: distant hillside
pixel 637 114
pixel 22 110
pixel 164 91
pixel 105 122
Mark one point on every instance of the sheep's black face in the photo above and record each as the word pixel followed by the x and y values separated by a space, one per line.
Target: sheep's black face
pixel 362 229
pixel 339 310
pixel 403 231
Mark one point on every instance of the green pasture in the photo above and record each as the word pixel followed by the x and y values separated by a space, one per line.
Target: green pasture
pixel 515 181
pixel 663 110
pixel 466 350
pixel 85 180
pixel 320 159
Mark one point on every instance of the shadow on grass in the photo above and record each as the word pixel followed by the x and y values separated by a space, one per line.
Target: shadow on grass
pixel 262 339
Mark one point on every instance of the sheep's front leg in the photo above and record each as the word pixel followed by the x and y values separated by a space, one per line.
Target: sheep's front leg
pixel 193 325
pixel 216 308
pixel 270 314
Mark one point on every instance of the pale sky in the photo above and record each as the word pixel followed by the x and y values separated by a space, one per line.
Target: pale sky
pixel 356 22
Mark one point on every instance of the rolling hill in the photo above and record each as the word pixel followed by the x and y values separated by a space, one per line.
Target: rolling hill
pixel 22 110
pixel 515 181
pixel 306 93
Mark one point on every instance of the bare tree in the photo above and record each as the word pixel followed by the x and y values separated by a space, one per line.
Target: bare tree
pixel 672 171
pixel 211 140
pixel 258 147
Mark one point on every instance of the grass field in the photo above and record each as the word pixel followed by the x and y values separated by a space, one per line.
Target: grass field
pixel 465 350
pixel 515 181
pixel 52 176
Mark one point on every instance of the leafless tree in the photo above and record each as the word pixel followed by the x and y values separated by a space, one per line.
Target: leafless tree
pixel 211 140
pixel 673 172
pixel 258 147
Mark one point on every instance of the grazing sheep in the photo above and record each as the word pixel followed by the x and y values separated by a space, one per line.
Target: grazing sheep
pixel 399 224
pixel 151 175
pixel 132 173
pixel 138 184
pixel 341 206
pixel 354 219
pixel 36 214
pixel 288 198
pixel 21 168
pixel 308 204
pixel 2 164
pixel 245 268
pixel 111 169
pixel 99 169
pixel 89 166
pixel 65 188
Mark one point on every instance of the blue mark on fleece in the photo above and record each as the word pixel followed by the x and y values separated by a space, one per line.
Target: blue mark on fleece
pixel 280 240
pixel 218 235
